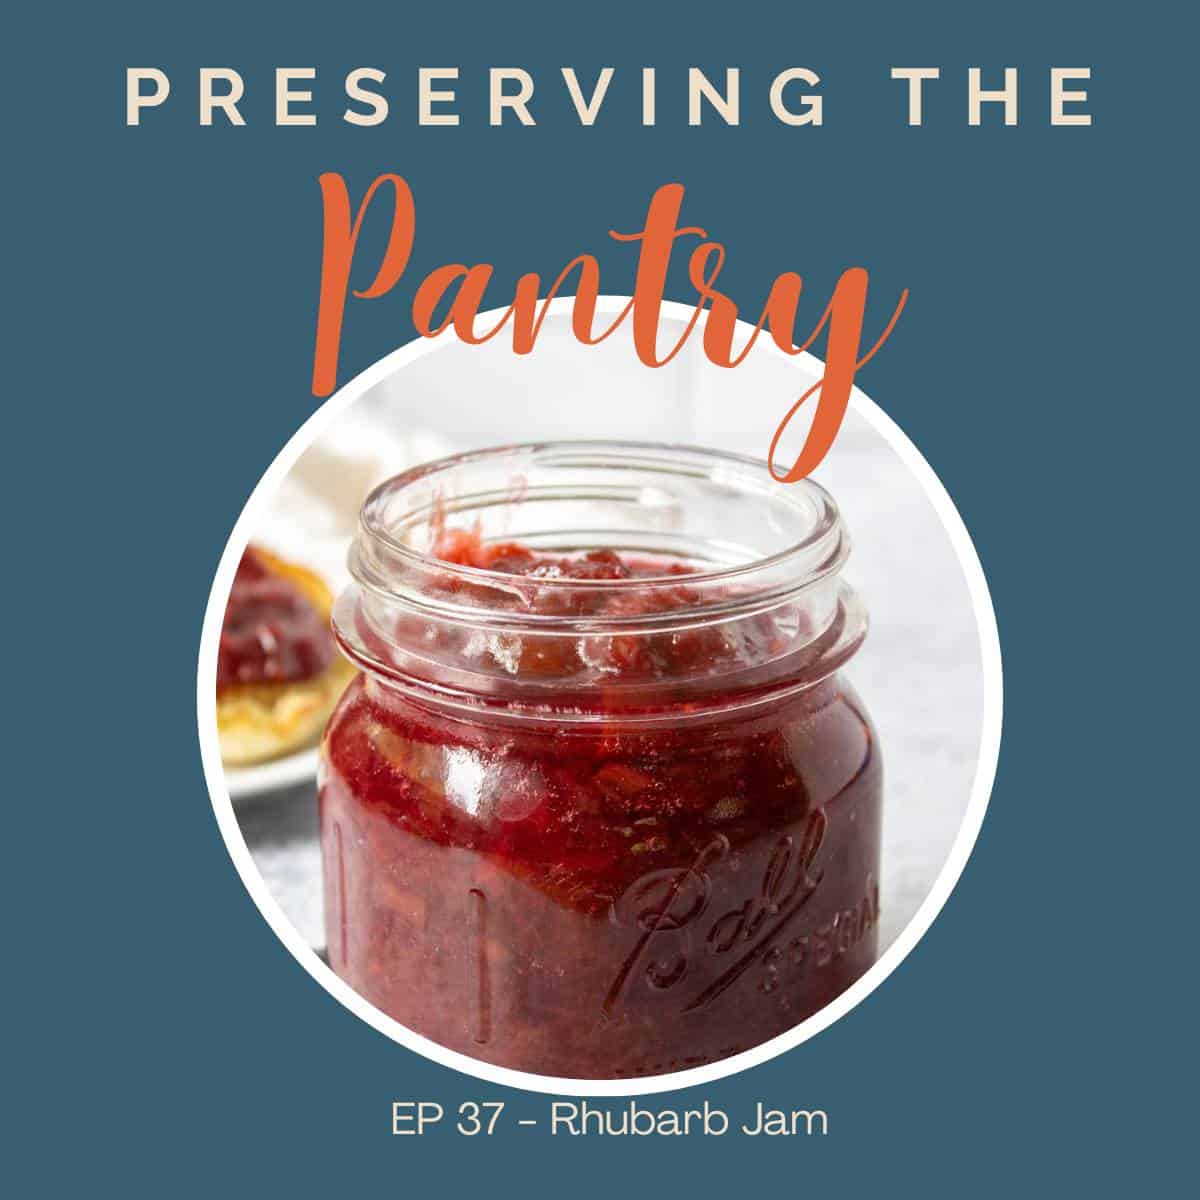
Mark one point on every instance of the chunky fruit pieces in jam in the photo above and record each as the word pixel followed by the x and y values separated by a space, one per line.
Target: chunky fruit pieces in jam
pixel 671 655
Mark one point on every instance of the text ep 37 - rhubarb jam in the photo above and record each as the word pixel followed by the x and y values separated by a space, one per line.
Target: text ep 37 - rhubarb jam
pixel 600 803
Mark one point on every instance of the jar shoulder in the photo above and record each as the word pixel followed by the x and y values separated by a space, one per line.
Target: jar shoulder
pixel 407 761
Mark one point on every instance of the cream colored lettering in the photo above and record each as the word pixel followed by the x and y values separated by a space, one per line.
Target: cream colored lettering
pixel 977 97
pixel 811 113
pixel 1060 97
pixel 701 88
pixel 500 99
pixel 136 99
pixel 916 77
pixel 225 101
pixel 286 95
pixel 428 96
pixel 587 109
pixel 360 95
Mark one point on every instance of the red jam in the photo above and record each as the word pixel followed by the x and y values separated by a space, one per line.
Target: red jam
pixel 272 632
pixel 681 867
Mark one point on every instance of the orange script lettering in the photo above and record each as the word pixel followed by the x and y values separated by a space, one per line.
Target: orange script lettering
pixel 460 292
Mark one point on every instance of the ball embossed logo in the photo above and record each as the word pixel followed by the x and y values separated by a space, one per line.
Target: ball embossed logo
pixel 670 911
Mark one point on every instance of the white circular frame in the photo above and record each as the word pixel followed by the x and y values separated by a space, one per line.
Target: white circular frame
pixel 964 842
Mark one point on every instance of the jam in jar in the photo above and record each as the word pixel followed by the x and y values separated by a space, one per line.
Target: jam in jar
pixel 601 803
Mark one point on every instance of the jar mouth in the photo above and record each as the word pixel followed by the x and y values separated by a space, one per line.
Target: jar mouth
pixel 736 596
pixel 388 558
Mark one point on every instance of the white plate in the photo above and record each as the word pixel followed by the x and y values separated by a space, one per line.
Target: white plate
pixel 252 783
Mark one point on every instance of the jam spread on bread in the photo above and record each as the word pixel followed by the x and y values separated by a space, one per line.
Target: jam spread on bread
pixel 273 633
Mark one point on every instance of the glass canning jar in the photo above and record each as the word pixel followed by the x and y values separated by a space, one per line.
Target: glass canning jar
pixel 600 804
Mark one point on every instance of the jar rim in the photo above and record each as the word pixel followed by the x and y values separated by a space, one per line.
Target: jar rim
pixel 454 632
pixel 825 545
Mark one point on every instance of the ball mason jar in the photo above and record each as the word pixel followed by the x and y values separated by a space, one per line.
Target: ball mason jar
pixel 600 821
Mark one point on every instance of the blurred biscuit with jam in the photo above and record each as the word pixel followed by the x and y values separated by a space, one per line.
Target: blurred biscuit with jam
pixel 279 674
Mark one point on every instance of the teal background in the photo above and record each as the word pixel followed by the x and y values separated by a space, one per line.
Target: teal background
pixel 161 287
